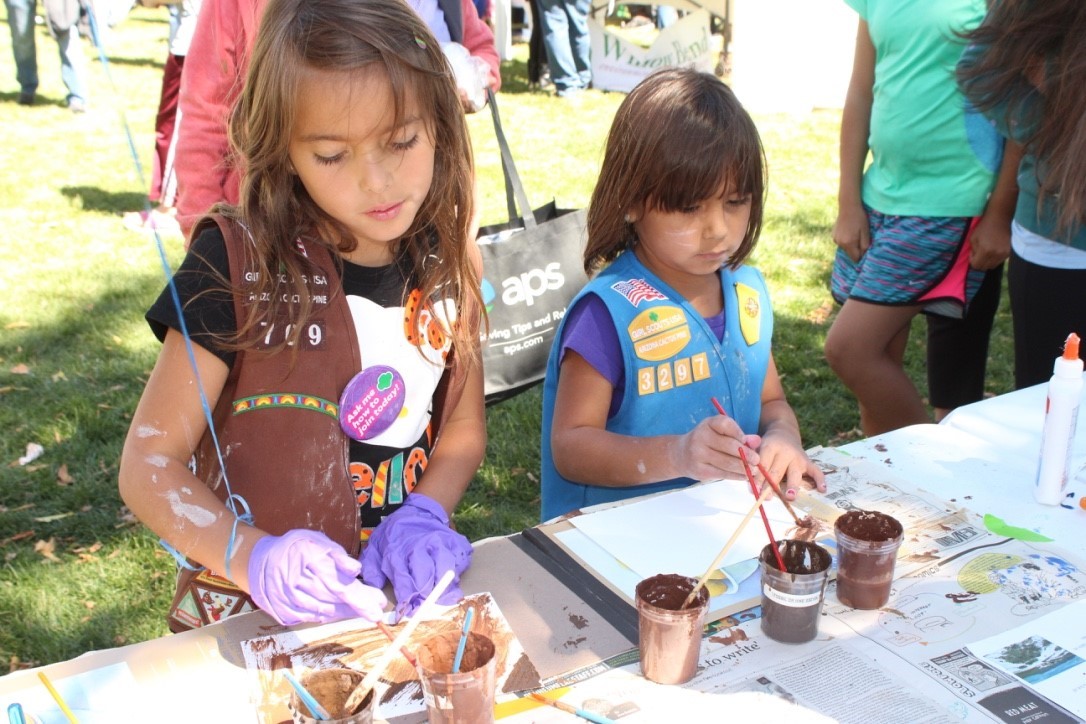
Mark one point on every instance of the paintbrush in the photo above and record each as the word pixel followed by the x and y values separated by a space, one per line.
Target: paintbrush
pixel 463 640
pixel 314 706
pixel 359 694
pixel 765 518
pixel 57 698
pixel 392 637
pixel 583 713
pixel 754 490
pixel 806 522
pixel 727 547
pixel 765 473
pixel 780 494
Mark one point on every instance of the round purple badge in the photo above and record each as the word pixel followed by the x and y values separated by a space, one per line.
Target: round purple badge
pixel 371 402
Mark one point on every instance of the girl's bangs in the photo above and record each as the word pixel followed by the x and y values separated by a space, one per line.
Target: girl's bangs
pixel 706 171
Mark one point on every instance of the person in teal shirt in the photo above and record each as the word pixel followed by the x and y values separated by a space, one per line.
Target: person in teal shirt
pixel 915 229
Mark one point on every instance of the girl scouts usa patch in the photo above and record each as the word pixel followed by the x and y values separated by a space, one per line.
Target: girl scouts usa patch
pixel 750 313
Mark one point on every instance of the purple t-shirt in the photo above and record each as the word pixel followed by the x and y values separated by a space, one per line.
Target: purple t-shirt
pixel 591 333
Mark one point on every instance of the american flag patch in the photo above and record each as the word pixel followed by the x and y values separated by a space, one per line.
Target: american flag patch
pixel 637 291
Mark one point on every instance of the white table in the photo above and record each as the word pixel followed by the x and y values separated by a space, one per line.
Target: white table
pixel 987 453
pixel 984 455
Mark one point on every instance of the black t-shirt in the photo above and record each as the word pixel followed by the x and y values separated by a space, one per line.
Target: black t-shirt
pixel 201 283
pixel 381 473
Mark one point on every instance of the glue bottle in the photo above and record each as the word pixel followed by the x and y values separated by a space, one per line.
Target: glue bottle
pixel 1061 414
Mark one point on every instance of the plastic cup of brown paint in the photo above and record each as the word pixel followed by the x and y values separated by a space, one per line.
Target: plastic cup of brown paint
pixel 867 545
pixel 465 697
pixel 331 688
pixel 792 599
pixel 669 637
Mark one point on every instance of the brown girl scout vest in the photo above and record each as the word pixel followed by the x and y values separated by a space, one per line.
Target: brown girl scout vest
pixel 278 429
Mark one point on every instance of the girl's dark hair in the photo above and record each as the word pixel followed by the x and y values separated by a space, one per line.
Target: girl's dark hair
pixel 676 139
pixel 351 37
pixel 1030 63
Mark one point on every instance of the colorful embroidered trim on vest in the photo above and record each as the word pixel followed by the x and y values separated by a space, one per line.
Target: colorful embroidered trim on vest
pixel 286 399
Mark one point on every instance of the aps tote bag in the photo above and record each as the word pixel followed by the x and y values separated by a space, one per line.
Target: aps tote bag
pixel 532 269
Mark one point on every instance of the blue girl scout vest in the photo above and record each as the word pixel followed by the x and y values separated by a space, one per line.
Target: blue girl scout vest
pixel 674 367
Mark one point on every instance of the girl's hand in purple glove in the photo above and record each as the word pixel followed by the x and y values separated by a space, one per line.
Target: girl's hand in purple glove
pixel 413 548
pixel 304 576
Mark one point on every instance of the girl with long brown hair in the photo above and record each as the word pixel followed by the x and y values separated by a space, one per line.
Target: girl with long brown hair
pixel 334 315
pixel 1027 71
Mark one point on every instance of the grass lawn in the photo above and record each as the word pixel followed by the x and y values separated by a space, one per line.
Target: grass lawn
pixel 78 572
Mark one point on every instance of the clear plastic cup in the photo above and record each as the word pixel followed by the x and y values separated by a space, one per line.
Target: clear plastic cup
pixel 867 546
pixel 466 697
pixel 792 599
pixel 331 688
pixel 669 637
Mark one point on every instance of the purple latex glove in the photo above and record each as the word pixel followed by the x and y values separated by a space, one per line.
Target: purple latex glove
pixel 413 548
pixel 304 576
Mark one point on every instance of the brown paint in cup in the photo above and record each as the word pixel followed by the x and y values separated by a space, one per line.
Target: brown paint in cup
pixel 331 688
pixel 792 599
pixel 867 546
pixel 466 697
pixel 669 637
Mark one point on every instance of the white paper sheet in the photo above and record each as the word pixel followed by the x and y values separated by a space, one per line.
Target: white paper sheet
pixel 683 531
pixel 108 694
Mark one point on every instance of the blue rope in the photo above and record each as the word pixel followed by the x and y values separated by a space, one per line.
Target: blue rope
pixel 232 500
pixel 246 517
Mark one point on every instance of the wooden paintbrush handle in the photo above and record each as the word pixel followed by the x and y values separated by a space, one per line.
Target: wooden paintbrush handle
pixel 727 547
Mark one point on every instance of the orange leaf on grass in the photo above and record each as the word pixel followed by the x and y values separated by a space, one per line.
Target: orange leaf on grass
pixel 821 313
pixel 18 536
pixel 46 548
pixel 20 369
pixel 63 478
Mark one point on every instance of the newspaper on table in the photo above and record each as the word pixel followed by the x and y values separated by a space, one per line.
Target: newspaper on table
pixel 837 677
pixel 965 607
pixel 935 528
pixel 696 521
pixel 1048 654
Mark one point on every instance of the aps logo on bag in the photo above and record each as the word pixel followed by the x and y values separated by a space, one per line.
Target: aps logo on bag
pixel 524 287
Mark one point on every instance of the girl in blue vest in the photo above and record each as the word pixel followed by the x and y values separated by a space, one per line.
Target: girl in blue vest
pixel 673 319
pixel 334 318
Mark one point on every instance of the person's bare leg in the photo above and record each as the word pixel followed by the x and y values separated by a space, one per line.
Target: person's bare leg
pixel 865 348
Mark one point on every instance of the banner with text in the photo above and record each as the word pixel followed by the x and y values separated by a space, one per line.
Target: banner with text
pixel 619 65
